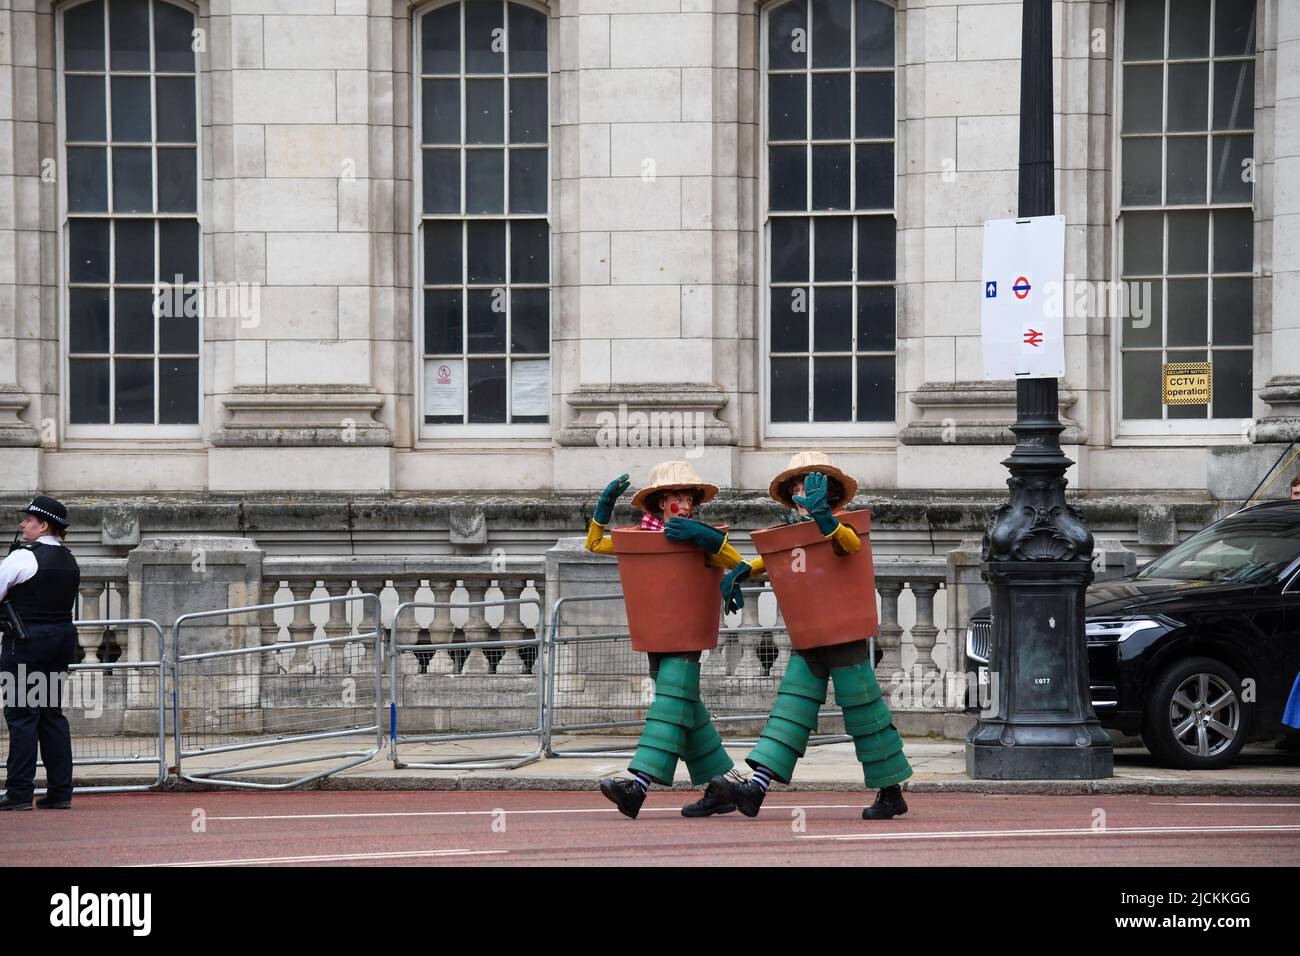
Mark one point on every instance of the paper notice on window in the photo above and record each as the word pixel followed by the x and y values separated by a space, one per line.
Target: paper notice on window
pixel 444 387
pixel 530 387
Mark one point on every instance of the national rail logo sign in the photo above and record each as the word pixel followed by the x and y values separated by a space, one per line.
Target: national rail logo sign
pixel 1023 333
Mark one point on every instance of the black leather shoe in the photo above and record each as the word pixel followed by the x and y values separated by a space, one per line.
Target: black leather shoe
pixel 627 795
pixel 49 803
pixel 889 804
pixel 7 804
pixel 745 794
pixel 713 801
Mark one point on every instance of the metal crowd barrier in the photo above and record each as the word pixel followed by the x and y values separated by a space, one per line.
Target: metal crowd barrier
pixel 232 700
pixel 598 682
pixel 449 691
pixel 121 748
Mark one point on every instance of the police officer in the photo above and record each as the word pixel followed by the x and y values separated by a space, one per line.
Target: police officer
pixel 38 583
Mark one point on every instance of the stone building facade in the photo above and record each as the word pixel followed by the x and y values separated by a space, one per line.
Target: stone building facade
pixel 448 267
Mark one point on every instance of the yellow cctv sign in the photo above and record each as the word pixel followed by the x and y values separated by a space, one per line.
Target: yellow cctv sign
pixel 1187 383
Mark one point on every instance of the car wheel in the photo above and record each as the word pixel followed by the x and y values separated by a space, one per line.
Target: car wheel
pixel 1194 717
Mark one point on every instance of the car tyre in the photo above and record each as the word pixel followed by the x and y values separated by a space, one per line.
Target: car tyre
pixel 1193 716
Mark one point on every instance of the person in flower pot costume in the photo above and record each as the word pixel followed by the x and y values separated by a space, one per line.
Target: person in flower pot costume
pixel 811 487
pixel 678 725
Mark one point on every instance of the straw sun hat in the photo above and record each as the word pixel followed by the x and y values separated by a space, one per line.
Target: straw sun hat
pixel 803 463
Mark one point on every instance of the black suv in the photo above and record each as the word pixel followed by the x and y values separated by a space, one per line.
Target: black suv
pixel 1196 652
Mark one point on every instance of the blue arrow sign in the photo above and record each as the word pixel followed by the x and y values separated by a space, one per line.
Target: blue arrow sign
pixel 990 290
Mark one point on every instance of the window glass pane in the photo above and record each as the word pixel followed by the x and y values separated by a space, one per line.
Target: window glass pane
pixel 833 249
pixel 787 37
pixel 442 252
pixel 440 40
pixel 1186 176
pixel 830 105
pixel 833 319
pixel 88 391
pixel 440 111
pixel 529 251
pixel 128 34
pixel 1234 95
pixel 831 33
pixel 175 120
pixel 84 113
pixel 178 250
pixel 875 105
pixel 875 33
pixel 83 37
pixel 787 106
pixel 173 30
pixel 527 40
pixel 483 33
pixel 487 252
pixel 1143 321
pixel 1189 242
pixel 789 386
pixel 530 320
pixel 790 319
pixel 876 253
pixel 1189 30
pixel 830 172
pixel 131 121
pixel 1144 29
pixel 1143 89
pixel 177 180
pixel 1234 28
pixel 443 331
pixel 1232 169
pixel 789 249
pixel 787 178
pixel 487 390
pixel 133 250
pixel 87 179
pixel 833 389
pixel 1233 300
pixel 178 393
pixel 1234 231
pixel 875 175
pixel 178 334
pixel 1143 243
pixel 1141 172
pixel 88 320
pixel 485 111
pixel 487 321
pixel 484 180
pixel 876 318
pixel 528 111
pixel 441 180
pixel 1143 384
pixel 133 321
pixel 1188 312
pixel 133 401
pixel 132 180
pixel 1189 96
pixel 527 180
pixel 876 388
pixel 1230 384
pixel 88 250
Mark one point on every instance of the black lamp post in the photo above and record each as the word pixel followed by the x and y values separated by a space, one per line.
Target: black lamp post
pixel 1038 553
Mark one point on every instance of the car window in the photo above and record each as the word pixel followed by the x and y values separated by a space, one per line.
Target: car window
pixel 1244 548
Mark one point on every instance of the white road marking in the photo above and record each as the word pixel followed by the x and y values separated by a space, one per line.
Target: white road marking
pixel 1073 831
pixel 328 858
pixel 1174 803
pixel 488 813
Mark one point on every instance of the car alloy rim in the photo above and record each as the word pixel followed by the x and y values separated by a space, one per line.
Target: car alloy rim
pixel 1205 715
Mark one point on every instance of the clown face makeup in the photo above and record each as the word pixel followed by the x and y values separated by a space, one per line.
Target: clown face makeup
pixel 676 504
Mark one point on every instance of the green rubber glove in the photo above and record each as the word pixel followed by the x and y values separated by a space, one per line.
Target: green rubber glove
pixel 814 499
pixel 733 599
pixel 605 506
pixel 705 537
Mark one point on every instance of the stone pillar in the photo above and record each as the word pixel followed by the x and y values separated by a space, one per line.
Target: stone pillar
pixel 967 593
pixel 573 571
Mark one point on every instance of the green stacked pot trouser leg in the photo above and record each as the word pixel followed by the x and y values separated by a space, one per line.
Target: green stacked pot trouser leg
pixel 678 726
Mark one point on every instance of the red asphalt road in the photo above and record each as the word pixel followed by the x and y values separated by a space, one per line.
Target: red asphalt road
pixel 526 828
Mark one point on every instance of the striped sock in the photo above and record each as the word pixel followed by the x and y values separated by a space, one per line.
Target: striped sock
pixel 762 777
pixel 642 780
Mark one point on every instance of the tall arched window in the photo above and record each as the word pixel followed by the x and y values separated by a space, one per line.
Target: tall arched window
pixel 829 113
pixel 484 217
pixel 129 137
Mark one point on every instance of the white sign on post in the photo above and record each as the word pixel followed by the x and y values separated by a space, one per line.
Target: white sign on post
pixel 1022 296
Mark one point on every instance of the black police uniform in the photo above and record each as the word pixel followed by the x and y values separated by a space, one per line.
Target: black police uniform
pixel 44 602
